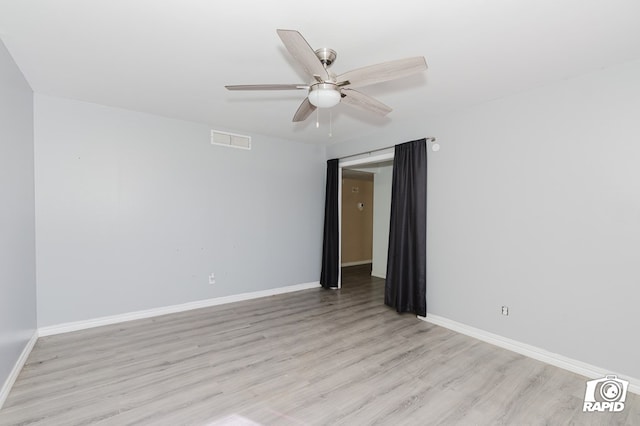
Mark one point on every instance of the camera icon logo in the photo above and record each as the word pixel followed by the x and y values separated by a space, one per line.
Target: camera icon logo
pixel 606 394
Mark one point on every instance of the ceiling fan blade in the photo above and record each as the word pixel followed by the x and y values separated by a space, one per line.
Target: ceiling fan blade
pixel 304 111
pixel 383 72
pixel 300 49
pixel 267 87
pixel 364 102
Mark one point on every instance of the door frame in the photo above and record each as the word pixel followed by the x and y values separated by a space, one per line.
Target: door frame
pixel 350 162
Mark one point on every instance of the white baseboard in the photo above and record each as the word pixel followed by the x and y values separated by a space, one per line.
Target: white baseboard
pixel 356 263
pixel 377 275
pixel 22 359
pixel 575 366
pixel 130 316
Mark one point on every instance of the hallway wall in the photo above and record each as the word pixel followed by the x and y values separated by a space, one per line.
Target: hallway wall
pixel 357 225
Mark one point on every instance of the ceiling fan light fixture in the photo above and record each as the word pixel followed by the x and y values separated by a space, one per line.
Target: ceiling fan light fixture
pixel 324 95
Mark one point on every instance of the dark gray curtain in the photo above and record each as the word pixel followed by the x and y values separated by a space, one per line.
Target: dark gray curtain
pixel 406 282
pixel 331 240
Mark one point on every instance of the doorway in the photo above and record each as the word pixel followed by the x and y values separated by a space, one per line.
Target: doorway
pixel 364 214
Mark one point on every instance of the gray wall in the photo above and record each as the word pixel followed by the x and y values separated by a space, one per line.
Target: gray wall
pixel 381 217
pixel 534 203
pixel 134 211
pixel 17 236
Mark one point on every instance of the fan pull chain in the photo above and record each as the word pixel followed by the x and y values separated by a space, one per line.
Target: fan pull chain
pixel 317 118
pixel 330 123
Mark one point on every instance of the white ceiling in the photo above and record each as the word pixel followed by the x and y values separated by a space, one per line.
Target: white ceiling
pixel 173 57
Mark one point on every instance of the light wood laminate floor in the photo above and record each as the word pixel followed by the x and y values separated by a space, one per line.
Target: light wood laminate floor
pixel 313 357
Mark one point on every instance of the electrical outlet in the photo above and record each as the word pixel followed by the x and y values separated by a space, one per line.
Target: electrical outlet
pixel 212 278
pixel 505 310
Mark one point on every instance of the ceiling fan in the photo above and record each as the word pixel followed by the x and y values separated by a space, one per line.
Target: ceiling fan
pixel 328 89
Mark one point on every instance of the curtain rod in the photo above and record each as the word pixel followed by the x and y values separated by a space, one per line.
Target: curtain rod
pixel 429 139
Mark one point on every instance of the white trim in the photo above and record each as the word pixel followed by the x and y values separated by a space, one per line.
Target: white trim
pixel 356 263
pixel 377 158
pixel 573 365
pixel 339 224
pixel 130 316
pixel 13 375
pixel 383 276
